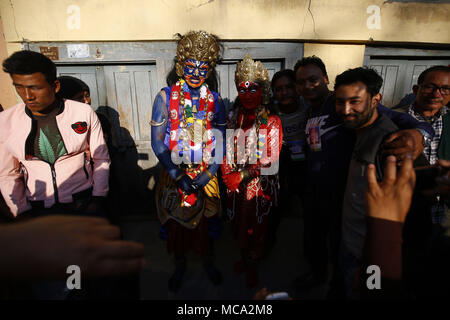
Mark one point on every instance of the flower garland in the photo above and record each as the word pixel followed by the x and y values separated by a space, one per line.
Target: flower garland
pixel 188 122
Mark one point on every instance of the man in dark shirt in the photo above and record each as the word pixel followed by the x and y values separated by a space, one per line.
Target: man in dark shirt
pixel 328 157
pixel 357 96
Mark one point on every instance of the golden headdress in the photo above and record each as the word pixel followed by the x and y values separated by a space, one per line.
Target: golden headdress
pixel 250 70
pixel 197 45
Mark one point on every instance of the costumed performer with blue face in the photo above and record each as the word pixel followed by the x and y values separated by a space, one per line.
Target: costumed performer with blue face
pixel 188 126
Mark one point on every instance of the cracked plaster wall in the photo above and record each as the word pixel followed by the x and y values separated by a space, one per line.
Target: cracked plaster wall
pixel 101 20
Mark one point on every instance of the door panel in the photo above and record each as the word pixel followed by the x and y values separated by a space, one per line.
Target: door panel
pixel 390 76
pixel 92 76
pixel 145 89
pixel 131 91
pixel 120 97
pixel 399 76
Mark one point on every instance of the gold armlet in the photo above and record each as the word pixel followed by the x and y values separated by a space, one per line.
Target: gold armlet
pixel 158 124
pixel 245 175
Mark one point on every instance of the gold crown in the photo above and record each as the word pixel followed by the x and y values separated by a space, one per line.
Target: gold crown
pixel 197 45
pixel 250 70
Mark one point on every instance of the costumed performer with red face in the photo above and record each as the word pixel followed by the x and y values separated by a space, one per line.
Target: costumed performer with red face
pixel 250 170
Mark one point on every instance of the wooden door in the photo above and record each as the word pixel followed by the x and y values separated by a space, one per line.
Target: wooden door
pixel 92 76
pixel 399 75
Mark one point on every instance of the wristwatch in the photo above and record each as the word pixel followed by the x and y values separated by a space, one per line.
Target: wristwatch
pixel 426 137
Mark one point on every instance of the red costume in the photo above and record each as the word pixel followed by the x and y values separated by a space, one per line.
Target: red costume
pixel 250 170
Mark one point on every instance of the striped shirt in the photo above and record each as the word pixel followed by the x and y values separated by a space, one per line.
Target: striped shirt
pixel 430 151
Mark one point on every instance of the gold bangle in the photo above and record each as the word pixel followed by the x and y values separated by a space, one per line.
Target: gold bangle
pixel 245 175
pixel 210 175
pixel 179 177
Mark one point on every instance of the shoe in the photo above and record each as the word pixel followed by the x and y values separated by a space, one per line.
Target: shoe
pixel 251 277
pixel 213 274
pixel 239 267
pixel 176 279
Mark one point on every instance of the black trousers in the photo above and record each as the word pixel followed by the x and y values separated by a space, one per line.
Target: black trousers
pixel 322 227
pixel 292 177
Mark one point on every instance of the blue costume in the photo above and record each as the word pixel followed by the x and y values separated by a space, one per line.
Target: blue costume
pixel 188 125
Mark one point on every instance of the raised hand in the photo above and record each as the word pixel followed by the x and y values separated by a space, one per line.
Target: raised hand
pixel 390 199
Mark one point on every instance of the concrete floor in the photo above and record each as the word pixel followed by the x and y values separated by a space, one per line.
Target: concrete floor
pixel 277 271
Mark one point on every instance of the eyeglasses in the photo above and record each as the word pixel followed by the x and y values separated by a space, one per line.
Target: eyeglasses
pixel 430 88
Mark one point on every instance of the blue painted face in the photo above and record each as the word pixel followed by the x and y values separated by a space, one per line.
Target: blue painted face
pixel 195 72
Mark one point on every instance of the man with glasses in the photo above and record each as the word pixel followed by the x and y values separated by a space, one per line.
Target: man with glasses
pixel 428 219
pixel 432 96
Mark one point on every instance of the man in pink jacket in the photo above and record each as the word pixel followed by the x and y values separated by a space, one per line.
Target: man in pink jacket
pixel 53 157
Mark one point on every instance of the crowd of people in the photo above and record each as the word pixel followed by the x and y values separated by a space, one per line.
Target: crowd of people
pixel 351 161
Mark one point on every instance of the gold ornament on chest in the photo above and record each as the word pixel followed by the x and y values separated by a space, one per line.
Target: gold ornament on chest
pixel 197 131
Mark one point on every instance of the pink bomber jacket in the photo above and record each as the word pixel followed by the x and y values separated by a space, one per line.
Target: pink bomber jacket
pixel 24 178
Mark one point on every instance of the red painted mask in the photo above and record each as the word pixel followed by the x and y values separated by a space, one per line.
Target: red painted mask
pixel 250 94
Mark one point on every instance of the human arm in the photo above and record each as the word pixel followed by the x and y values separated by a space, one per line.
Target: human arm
pixel 387 204
pixel 44 247
pixel 409 138
pixel 100 157
pixel 159 125
pixel 405 121
pixel 11 182
pixel 98 151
